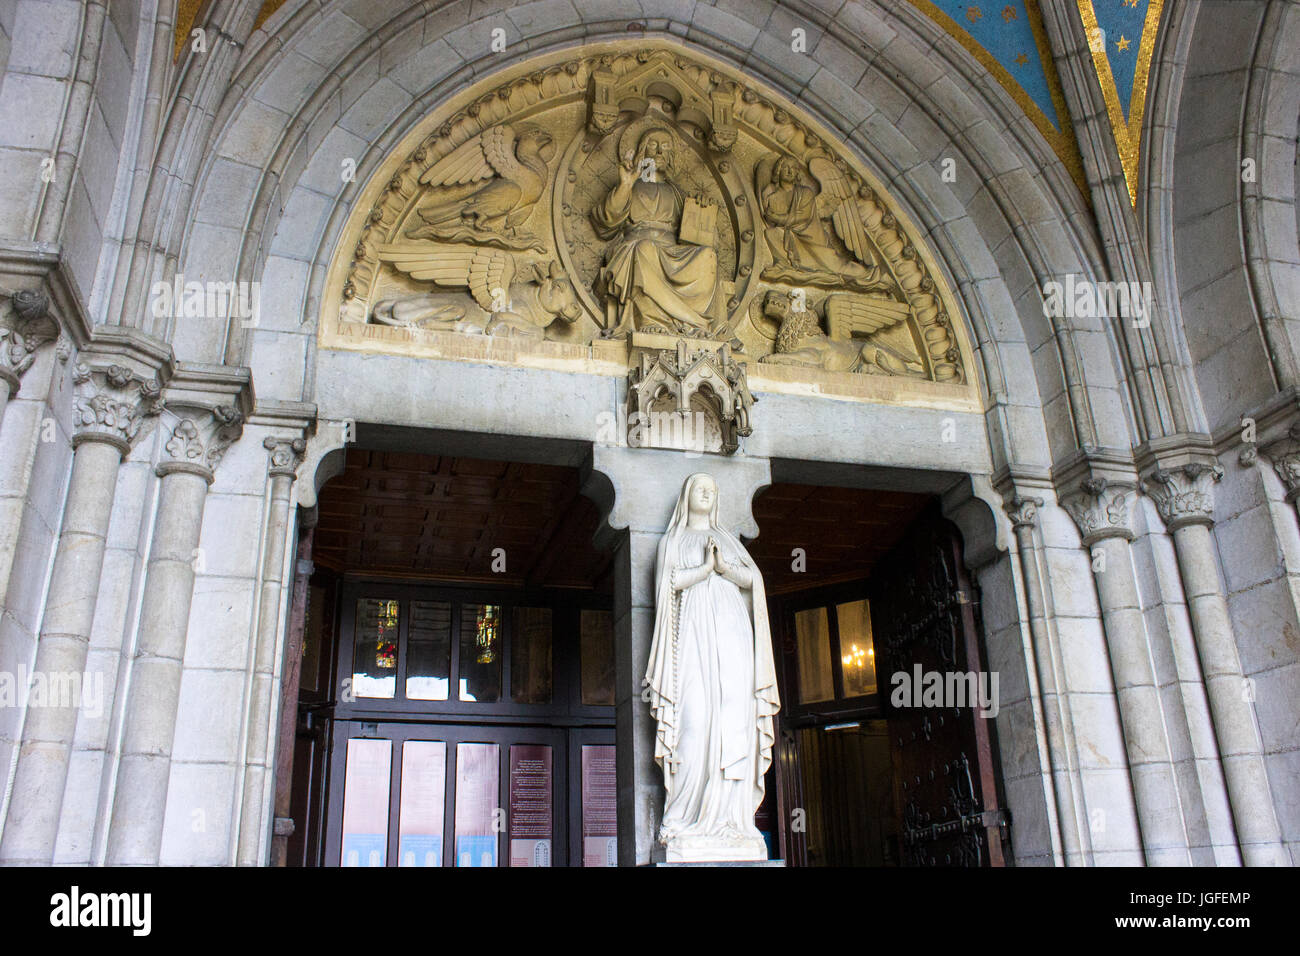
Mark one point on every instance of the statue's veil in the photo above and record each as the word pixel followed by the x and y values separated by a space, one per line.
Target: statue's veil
pixel 660 677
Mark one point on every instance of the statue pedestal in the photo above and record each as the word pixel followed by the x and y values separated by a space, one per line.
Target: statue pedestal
pixel 719 849
pixel 726 863
pixel 667 342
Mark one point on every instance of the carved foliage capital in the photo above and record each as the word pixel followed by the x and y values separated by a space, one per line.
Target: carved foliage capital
pixel 1023 511
pixel 1184 495
pixel 1285 456
pixel 27 327
pixel 1100 510
pixel 286 454
pixel 200 436
pixel 111 403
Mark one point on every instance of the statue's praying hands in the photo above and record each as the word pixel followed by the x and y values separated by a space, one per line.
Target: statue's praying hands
pixel 716 559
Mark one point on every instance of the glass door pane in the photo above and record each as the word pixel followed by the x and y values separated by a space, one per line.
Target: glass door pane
pixel 374 657
pixel 530 655
pixel 428 656
pixel 531 804
pixel 599 806
pixel 812 632
pixel 480 652
pixel 365 802
pixel 857 653
pixel 424 784
pixel 477 776
pixel 597 655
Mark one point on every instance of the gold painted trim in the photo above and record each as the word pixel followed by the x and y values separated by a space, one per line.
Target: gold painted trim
pixel 1127 132
pixel 264 14
pixel 1062 141
pixel 187 14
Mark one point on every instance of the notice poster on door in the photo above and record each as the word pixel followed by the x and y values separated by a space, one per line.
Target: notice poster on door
pixel 365 802
pixel 599 806
pixel 419 821
pixel 476 804
pixel 531 790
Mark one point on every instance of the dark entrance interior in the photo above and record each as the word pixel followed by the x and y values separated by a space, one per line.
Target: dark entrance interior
pixel 457 679
pixel 456 706
pixel 863 584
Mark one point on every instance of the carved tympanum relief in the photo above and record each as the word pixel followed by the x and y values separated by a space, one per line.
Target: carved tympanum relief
pixel 633 192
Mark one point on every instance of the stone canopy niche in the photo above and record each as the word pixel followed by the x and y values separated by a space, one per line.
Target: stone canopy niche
pixel 593 210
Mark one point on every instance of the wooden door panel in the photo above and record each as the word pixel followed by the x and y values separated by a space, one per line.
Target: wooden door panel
pixel 924 616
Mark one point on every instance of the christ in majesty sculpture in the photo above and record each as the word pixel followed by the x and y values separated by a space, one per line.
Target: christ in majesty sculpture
pixel 711 684
pixel 653 279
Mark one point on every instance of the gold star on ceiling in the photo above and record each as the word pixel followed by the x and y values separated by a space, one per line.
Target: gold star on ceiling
pixel 1021 59
pixel 1122 43
pixel 973 14
pixel 1008 13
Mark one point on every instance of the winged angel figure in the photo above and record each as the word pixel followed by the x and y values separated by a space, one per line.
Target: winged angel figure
pixel 485 189
pixel 798 235
pixel 518 299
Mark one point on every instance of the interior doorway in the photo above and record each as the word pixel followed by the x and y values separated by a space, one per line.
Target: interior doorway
pixel 457 695
pixel 864 585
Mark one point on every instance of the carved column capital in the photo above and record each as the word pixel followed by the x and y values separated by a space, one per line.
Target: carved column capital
pixel 27 327
pixel 199 437
pixel 1022 510
pixel 1284 453
pixel 1183 495
pixel 1100 509
pixel 286 455
pixel 110 404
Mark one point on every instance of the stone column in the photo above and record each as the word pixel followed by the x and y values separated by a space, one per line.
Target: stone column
pixel 1076 844
pixel 1101 511
pixel 1184 496
pixel 285 454
pixel 110 405
pixel 199 437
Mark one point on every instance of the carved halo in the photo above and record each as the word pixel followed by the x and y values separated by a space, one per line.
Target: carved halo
pixel 724 127
pixel 588 170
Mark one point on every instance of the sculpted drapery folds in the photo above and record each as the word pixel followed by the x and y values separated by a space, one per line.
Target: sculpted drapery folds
pixel 802 246
pixel 652 281
pixel 711 682
pixel 623 191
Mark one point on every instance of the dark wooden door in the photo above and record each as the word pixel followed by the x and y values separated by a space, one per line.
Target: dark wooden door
pixel 924 613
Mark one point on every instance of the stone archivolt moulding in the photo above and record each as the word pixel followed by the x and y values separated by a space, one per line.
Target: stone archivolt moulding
pixel 493 234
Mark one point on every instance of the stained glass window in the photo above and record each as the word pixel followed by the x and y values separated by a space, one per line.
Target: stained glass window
pixel 480 652
pixel 374 662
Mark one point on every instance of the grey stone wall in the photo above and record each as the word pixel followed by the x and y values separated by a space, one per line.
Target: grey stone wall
pixel 226 165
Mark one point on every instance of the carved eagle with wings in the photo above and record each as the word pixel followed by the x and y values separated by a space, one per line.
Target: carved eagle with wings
pixel 485 189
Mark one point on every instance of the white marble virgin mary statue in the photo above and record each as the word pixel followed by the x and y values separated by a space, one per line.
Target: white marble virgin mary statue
pixel 711 683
